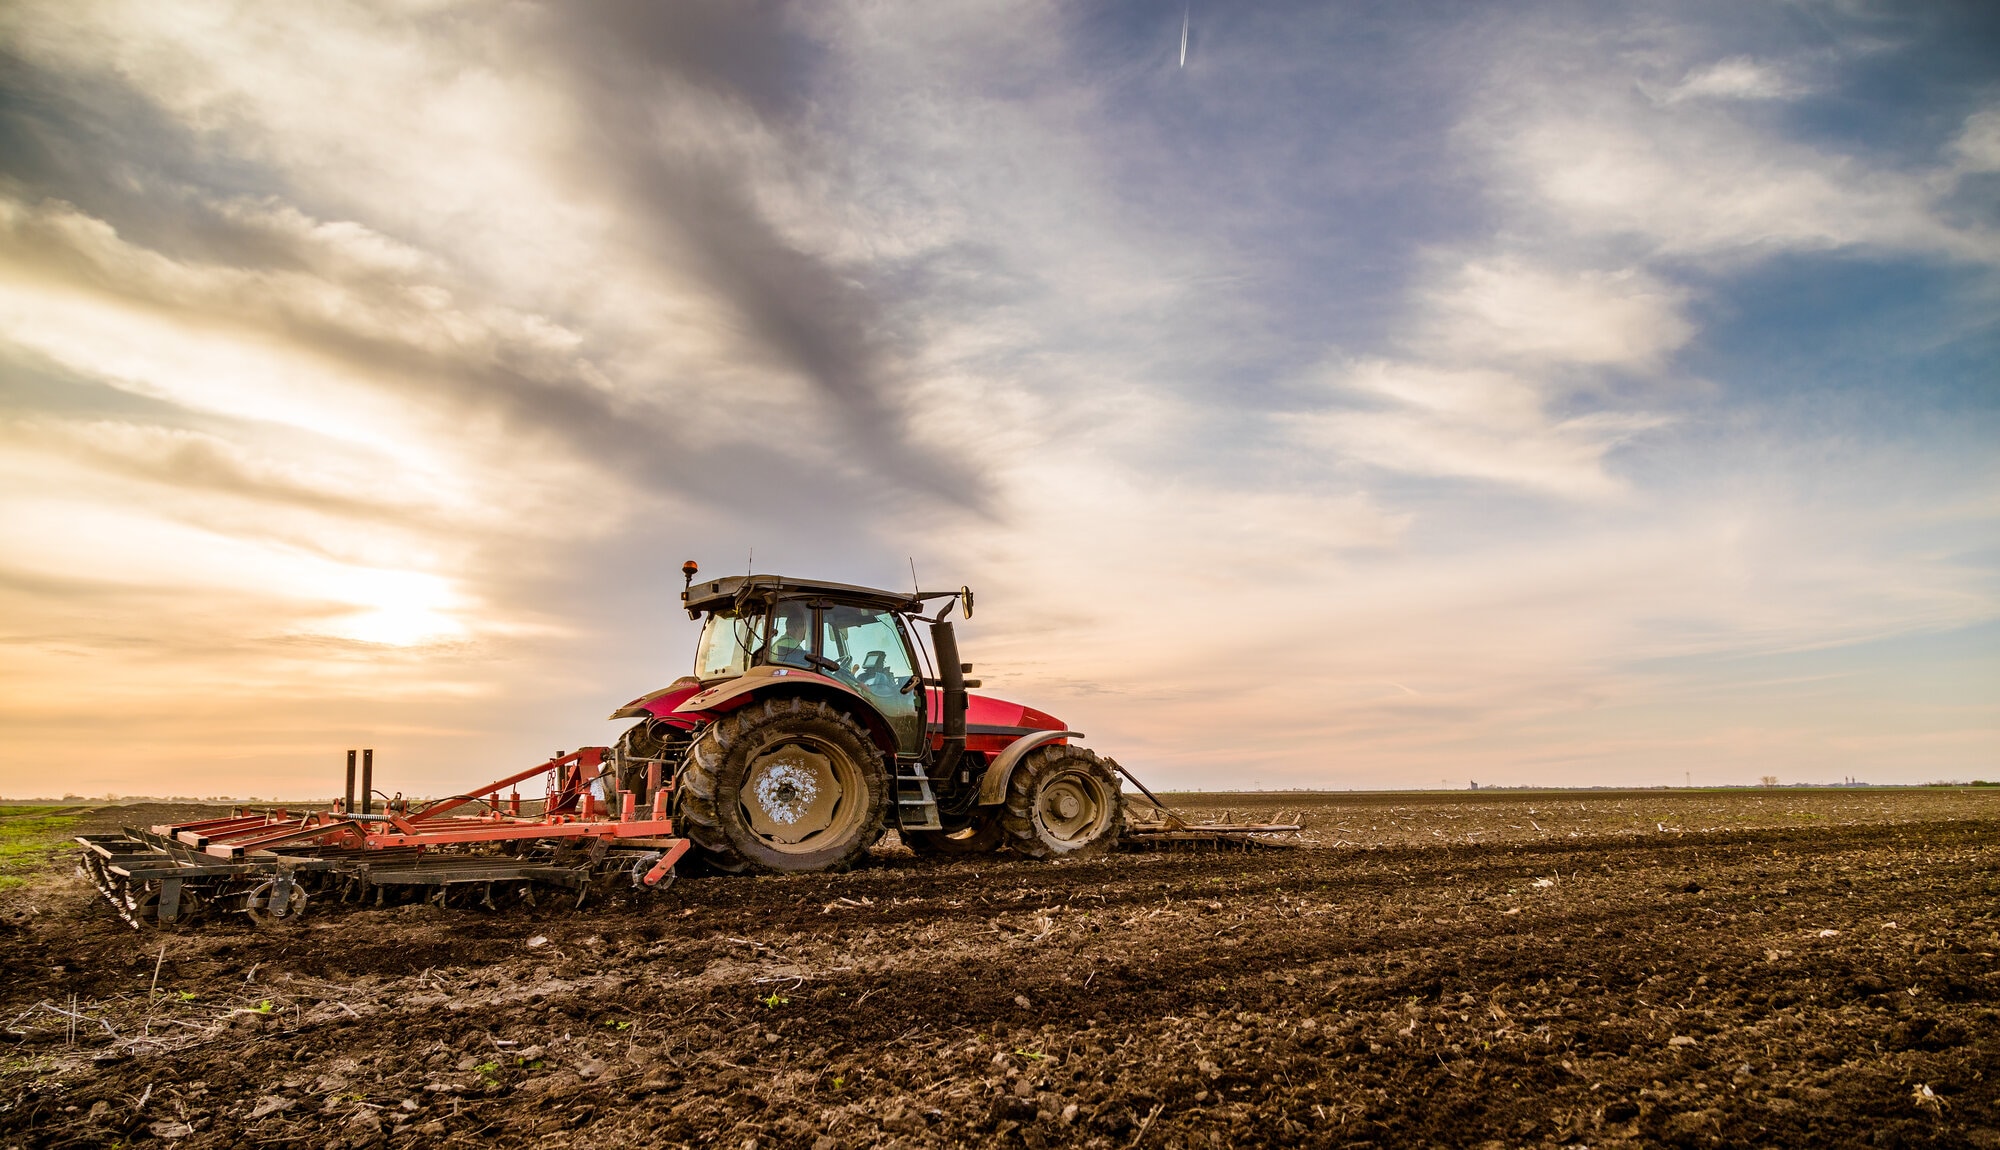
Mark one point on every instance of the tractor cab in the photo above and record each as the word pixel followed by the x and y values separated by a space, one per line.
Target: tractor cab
pixel 854 636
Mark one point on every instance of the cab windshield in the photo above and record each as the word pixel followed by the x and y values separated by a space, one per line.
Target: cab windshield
pixel 727 641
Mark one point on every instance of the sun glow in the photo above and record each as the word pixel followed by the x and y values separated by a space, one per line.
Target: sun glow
pixel 401 609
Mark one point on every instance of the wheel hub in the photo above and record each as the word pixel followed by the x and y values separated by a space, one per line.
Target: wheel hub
pixel 1071 808
pixel 791 794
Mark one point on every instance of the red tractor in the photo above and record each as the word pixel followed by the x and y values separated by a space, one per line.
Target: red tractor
pixel 815 719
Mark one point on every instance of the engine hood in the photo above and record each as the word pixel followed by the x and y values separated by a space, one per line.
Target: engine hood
pixel 985 714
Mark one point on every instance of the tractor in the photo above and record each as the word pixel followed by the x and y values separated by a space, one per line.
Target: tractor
pixel 815 720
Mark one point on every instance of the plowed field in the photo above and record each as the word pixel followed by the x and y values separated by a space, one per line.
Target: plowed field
pixel 1783 968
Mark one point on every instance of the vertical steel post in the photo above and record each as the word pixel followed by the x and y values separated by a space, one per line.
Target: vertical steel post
pixel 368 780
pixel 348 807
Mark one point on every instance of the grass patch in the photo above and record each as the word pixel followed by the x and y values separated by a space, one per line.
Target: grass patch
pixel 27 836
pixel 20 810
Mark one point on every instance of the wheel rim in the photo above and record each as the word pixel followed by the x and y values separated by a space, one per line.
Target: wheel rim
pixel 1073 807
pixel 801 796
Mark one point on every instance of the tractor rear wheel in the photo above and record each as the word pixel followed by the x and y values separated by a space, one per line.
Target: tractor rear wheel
pixel 982 835
pixel 1063 802
pixel 784 785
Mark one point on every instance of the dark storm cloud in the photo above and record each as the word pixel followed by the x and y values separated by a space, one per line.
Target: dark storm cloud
pixel 110 149
pixel 741 51
pixel 696 207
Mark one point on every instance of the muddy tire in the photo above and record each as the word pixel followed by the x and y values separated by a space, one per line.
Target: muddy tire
pixel 983 835
pixel 1063 802
pixel 645 739
pixel 783 785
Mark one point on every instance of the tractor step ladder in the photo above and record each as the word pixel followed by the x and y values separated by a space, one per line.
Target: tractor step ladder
pixel 916 806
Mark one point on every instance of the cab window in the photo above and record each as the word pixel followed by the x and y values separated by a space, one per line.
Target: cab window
pixel 868 647
pixel 791 635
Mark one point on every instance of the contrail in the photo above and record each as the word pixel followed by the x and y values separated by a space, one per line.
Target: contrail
pixel 1185 13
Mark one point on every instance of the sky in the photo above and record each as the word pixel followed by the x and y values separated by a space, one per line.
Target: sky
pixel 1389 395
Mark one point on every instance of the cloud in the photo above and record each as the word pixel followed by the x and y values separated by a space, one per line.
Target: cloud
pixel 1581 152
pixel 1505 377
pixel 346 286
pixel 1736 78
pixel 187 458
pixel 1469 424
pixel 1508 309
pixel 1529 357
pixel 1978 144
pixel 51 534
pixel 694 114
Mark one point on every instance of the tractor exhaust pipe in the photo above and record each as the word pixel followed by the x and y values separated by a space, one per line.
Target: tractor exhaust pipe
pixel 951 678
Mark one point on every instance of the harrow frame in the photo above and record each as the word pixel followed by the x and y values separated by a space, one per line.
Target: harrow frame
pixel 270 863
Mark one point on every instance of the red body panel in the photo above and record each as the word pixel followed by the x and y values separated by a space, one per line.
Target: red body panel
pixel 990 723
pixel 662 706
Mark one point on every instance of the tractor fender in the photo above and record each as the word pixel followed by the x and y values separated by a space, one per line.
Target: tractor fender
pixel 765 681
pixel 993 784
pixel 645 705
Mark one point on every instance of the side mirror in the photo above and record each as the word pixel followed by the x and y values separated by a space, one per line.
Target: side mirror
pixel 965 601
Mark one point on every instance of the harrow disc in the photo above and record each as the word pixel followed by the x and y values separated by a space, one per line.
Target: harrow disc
pixel 288 908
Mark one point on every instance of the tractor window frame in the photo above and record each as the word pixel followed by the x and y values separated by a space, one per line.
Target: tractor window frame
pixel 767 654
pixel 749 644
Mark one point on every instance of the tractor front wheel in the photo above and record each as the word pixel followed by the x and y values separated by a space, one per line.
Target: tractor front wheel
pixel 1063 802
pixel 784 785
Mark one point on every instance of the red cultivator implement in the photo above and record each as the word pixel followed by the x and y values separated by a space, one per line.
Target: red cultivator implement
pixel 470 849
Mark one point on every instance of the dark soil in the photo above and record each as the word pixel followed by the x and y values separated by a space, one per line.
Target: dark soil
pixel 1789 969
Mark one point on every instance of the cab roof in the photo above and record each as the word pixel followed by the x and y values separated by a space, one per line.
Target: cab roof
pixel 734 590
